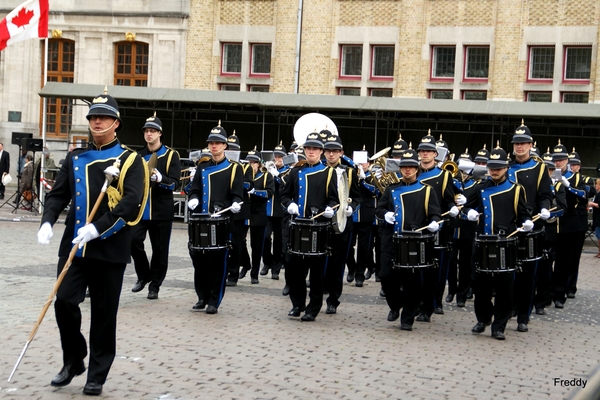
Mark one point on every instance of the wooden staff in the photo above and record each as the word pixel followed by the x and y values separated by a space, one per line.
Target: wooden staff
pixel 225 209
pixel 108 179
pixel 532 220
pixel 321 213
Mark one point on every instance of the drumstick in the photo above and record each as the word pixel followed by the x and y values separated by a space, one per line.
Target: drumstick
pixel 425 227
pixel 321 213
pixel 448 212
pixel 225 209
pixel 532 220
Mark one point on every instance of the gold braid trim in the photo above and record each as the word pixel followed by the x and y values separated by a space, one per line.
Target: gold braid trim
pixel 115 195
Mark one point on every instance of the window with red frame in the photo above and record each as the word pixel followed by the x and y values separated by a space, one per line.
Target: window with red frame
pixel 261 59
pixel 382 63
pixel 440 94
pixel 349 91
pixel 541 63
pixel 539 97
pixel 576 97
pixel 61 68
pixel 443 60
pixel 231 88
pixel 351 60
pixel 381 92
pixel 232 59
pixel 131 61
pixel 258 88
pixel 474 95
pixel 578 63
pixel 477 62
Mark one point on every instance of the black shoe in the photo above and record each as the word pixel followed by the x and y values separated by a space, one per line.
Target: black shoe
pixel 264 270
pixel 152 295
pixel 438 310
pixel 423 318
pixel 275 275
pixel 393 315
pixel 285 291
pixel 470 294
pixel 480 327
pixel 92 389
pixel 498 335
pixel 359 283
pixel 522 327
pixel 460 304
pixel 254 281
pixel 350 276
pixel 243 273
pixel 211 309
pixel 559 304
pixel 307 317
pixel 381 293
pixel 449 298
pixel 570 295
pixel 331 309
pixel 139 286
pixel 199 306
pixel 368 274
pixel 67 373
pixel 294 312
pixel 540 311
pixel 405 327
pixel 230 283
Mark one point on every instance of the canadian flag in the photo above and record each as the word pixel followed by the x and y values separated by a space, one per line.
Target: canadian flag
pixel 27 21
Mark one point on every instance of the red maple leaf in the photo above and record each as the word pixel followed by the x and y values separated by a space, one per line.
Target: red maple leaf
pixel 23 17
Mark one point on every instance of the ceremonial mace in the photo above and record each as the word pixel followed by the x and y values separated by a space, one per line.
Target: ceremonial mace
pixel 110 173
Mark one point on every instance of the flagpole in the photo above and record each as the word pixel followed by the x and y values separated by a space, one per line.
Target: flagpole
pixel 44 109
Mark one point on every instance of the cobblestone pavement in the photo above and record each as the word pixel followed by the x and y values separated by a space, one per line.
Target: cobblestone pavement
pixel 252 350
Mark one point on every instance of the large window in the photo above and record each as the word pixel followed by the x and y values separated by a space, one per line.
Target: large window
pixel 232 59
pixel 578 61
pixel 539 97
pixel 61 68
pixel 382 63
pixel 442 65
pixel 440 94
pixel 575 97
pixel 477 62
pixel 351 61
pixel 131 61
pixel 541 63
pixel 261 59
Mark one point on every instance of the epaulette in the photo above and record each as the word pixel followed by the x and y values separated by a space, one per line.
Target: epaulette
pixel 126 147
pixel 538 159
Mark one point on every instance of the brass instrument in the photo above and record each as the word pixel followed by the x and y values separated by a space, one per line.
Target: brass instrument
pixel 451 167
pixel 387 178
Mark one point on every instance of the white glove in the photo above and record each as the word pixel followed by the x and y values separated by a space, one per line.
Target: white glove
pixel 453 211
pixel 460 200
pixel 378 173
pixel 361 173
pixel 348 211
pixel 193 203
pixel 45 233
pixel 273 171
pixel 112 171
pixel 251 191
pixel 156 176
pixel 293 209
pixel 544 214
pixel 236 207
pixel 565 181
pixel 527 226
pixel 433 226
pixel 390 217
pixel 472 215
pixel 328 213
pixel 192 172
pixel 85 234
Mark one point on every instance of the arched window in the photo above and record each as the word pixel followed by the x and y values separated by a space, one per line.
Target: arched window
pixel 131 64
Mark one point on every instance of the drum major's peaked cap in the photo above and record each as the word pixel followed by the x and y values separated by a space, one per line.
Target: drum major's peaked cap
pixel 427 143
pixel 233 142
pixel 399 146
pixel 313 140
pixel 104 104
pixel 465 155
pixel 547 157
pixel 560 152
pixel 441 143
pixel 522 134
pixel 253 155
pixel 334 142
pixel 482 155
pixel 410 158
pixel 153 123
pixel 574 157
pixel 217 134
pixel 279 150
pixel 498 159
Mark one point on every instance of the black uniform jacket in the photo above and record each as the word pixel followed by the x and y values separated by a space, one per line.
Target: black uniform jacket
pixel 575 216
pixel 442 183
pixel 312 188
pixel 80 179
pixel 160 198
pixel 264 186
pixel 217 184
pixel 533 176
pixel 560 203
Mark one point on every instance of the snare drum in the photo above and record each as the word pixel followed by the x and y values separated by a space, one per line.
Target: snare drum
pixel 308 237
pixel 208 233
pixel 413 250
pixel 495 254
pixel 441 238
pixel 530 245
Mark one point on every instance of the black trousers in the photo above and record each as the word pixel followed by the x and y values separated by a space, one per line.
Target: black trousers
pixel 407 298
pixel 273 259
pixel 568 250
pixel 154 271
pixel 105 281
pixel 465 267
pixel 296 269
pixel 257 241
pixel 363 232
pixel 524 290
pixel 210 272
pixel 376 245
pixel 543 283
pixel 436 287
pixel 501 309
pixel 239 252
pixel 334 267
